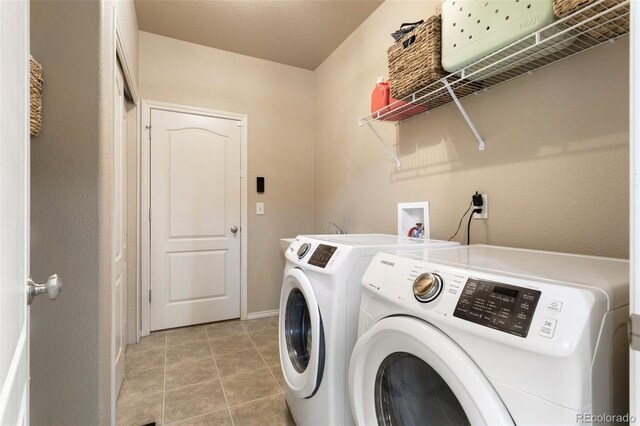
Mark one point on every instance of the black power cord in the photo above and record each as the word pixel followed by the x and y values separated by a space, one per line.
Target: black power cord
pixel 469 224
pixel 460 223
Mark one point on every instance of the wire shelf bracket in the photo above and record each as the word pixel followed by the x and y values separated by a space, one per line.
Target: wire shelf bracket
pixel 385 145
pixel 464 114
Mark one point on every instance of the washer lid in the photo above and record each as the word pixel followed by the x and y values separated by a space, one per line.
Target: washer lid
pixel 607 274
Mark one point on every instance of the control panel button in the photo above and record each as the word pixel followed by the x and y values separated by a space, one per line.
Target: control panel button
pixel 501 306
pixel 548 327
pixel 555 306
pixel 322 255
pixel 525 306
pixel 518 326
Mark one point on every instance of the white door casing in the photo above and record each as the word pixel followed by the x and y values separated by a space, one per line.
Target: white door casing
pixel 119 240
pixel 195 174
pixel 634 215
pixel 14 212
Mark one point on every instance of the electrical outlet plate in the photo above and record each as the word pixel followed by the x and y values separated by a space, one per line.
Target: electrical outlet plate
pixel 485 209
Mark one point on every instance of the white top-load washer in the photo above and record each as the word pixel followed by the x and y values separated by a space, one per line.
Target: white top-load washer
pixel 491 335
pixel 319 306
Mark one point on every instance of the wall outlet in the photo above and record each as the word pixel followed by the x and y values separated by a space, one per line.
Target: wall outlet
pixel 485 208
pixel 260 208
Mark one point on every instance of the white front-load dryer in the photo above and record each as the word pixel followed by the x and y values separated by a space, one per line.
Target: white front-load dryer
pixel 319 306
pixel 488 335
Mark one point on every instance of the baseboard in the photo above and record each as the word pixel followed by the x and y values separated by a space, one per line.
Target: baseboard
pixel 263 314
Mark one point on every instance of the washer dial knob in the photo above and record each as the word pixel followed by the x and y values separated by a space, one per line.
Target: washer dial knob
pixel 303 250
pixel 427 287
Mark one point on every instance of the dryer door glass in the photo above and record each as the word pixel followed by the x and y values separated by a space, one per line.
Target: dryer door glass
pixel 409 392
pixel 297 324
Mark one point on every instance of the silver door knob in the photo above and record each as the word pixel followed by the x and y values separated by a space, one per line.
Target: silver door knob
pixel 53 288
pixel 234 229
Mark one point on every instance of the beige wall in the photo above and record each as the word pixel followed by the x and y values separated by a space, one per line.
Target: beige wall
pixel 555 165
pixel 71 205
pixel 279 102
pixel 65 342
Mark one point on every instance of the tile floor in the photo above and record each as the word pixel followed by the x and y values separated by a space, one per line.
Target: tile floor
pixel 225 373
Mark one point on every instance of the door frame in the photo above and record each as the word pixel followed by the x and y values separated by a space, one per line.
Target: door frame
pixel 145 201
pixel 19 366
pixel 121 59
pixel 634 207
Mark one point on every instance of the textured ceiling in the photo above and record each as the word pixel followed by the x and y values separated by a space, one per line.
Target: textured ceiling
pixel 301 33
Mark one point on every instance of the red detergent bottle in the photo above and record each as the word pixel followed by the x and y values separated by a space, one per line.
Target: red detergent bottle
pixel 380 98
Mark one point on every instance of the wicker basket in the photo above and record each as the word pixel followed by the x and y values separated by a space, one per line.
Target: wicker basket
pixel 418 64
pixel 605 27
pixel 35 77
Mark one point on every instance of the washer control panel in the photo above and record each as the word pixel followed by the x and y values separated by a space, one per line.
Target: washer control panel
pixel 322 255
pixel 500 306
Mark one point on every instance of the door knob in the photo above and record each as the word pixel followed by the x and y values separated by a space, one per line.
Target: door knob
pixel 234 229
pixel 52 287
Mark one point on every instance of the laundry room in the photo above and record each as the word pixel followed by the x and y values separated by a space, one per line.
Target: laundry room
pixel 334 212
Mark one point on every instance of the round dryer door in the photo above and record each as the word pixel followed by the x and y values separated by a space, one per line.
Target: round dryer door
pixel 404 372
pixel 301 335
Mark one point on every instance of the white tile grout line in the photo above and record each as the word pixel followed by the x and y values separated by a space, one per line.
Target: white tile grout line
pixel 269 366
pixel 195 417
pixel 247 333
pixel 258 399
pixel 265 362
pixel 215 363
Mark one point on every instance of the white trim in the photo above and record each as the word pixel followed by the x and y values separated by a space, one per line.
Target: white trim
pixel 112 347
pixel 121 55
pixel 634 210
pixel 138 223
pixel 263 314
pixel 131 84
pixel 244 222
pixel 144 171
pixel 147 106
pixel 122 60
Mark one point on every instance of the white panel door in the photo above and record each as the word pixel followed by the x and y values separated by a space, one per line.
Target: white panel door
pixel 195 219
pixel 14 212
pixel 119 239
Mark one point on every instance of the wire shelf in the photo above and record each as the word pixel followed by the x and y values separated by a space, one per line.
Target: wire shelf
pixel 600 22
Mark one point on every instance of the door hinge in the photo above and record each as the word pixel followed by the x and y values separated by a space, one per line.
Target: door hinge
pixel 634 332
pixel 240 123
pixel 241 173
pixel 148 128
pixel 149 215
pixel 149 295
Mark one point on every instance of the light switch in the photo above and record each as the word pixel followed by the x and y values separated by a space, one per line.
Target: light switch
pixel 260 208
